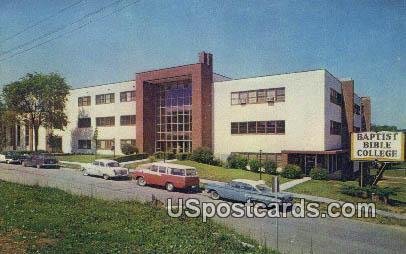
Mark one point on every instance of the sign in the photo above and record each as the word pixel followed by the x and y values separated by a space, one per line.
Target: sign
pixel 381 146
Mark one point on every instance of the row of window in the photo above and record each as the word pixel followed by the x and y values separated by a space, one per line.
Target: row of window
pixel 106 98
pixel 106 121
pixel 258 96
pixel 103 144
pixel 258 127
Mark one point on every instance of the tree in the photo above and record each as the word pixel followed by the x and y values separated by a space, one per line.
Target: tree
pixel 39 100
pixel 7 119
pixel 377 128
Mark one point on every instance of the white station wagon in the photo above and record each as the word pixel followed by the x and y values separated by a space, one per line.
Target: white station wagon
pixel 106 169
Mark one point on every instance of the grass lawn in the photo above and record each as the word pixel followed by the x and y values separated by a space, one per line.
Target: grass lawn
pixel 331 189
pixel 47 220
pixel 227 174
pixel 391 172
pixel 83 158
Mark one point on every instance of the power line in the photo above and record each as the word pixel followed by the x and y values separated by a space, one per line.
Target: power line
pixel 69 32
pixel 61 27
pixel 42 20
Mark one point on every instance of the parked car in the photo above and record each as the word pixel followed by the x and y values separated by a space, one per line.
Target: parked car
pixel 9 157
pixel 169 175
pixel 242 190
pixel 106 169
pixel 41 161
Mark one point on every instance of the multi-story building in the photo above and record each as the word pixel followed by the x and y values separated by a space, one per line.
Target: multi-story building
pixel 303 117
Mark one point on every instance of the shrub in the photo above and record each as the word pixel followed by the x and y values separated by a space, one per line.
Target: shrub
pixel 237 161
pixel 217 162
pixel 152 158
pixel 182 156
pixel 354 191
pixel 255 165
pixel 292 171
pixel 203 155
pixel 318 173
pixel 270 167
pixel 128 149
pixel 159 155
pixel 132 157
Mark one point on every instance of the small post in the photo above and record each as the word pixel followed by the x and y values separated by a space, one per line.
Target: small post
pixel 260 165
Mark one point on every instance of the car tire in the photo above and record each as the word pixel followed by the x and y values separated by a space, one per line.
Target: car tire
pixel 214 195
pixel 106 177
pixel 169 187
pixel 141 181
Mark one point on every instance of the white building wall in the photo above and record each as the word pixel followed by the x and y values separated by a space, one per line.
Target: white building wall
pixel 72 134
pixel 332 111
pixel 303 112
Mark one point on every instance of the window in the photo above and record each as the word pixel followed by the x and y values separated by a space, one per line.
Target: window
pixel 258 127
pixel 234 128
pixel 127 141
pixel 252 127
pixel 162 170
pixel 27 135
pixel 177 171
pixel 280 127
pixel 270 127
pixel 127 96
pixel 85 144
pixel 84 101
pixel 280 94
pixel 154 168
pixel 335 97
pixel 84 123
pixel 127 120
pixel 258 96
pixel 261 126
pixel 105 121
pixel 242 127
pixel 357 109
pixel 335 128
pixel 105 98
pixel 105 144
pixel 357 129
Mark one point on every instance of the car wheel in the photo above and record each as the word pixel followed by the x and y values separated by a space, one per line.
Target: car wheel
pixel 141 181
pixel 169 187
pixel 214 195
pixel 106 177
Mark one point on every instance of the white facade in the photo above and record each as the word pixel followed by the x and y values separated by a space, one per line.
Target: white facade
pixel 307 112
pixel 72 134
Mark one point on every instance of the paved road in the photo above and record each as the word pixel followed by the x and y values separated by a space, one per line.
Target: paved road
pixel 319 235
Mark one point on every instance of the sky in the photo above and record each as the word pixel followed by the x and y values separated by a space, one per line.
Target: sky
pixel 364 40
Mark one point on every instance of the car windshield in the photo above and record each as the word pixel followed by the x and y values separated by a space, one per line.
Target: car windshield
pixel 113 164
pixel 191 172
pixel 263 188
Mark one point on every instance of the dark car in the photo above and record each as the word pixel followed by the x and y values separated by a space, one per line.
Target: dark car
pixel 41 161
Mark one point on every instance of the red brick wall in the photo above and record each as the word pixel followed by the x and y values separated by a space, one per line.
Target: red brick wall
pixel 202 94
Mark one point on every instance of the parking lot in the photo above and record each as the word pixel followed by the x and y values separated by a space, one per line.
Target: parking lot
pixel 294 235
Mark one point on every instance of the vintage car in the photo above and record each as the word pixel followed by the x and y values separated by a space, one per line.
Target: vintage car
pixel 10 157
pixel 242 190
pixel 105 168
pixel 171 176
pixel 41 161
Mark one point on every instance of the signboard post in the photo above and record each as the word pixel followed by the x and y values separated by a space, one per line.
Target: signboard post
pixel 382 147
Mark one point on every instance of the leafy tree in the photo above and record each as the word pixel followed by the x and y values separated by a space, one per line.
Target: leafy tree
pixel 7 119
pixel 39 100
pixel 377 128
